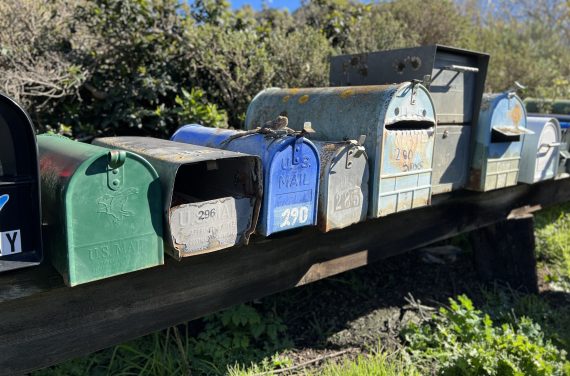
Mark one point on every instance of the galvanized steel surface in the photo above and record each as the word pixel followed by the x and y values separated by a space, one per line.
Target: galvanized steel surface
pixel 343 191
pixel 397 120
pixel 102 210
pixel 291 172
pixel 224 212
pixel 540 151
pixel 498 142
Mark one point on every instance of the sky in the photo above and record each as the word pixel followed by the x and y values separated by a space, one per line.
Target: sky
pixel 257 4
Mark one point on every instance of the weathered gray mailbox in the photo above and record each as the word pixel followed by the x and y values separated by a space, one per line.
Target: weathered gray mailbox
pixel 397 120
pixel 455 79
pixel 212 197
pixel 540 151
pixel 343 190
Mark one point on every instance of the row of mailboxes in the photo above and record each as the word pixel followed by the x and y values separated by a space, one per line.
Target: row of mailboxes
pixel 397 120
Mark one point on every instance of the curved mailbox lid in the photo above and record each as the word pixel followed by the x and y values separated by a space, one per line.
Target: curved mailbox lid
pixel 102 210
pixel 498 142
pixel 540 150
pixel 395 118
pixel 20 219
pixel 290 172
pixel 212 197
pixel 343 191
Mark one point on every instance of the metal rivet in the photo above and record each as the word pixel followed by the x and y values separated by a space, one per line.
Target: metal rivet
pixel 115 182
pixel 396 111
pixel 115 172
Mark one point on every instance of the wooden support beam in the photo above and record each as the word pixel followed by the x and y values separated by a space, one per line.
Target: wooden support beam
pixel 42 322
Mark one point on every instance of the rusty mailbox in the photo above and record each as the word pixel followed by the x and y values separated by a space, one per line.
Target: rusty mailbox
pixel 212 197
pixel 102 210
pixel 343 191
pixel 540 151
pixel 20 223
pixel 290 171
pixel 498 142
pixel 397 120
pixel 455 79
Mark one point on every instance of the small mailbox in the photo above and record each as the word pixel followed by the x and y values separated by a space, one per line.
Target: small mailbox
pixel 498 142
pixel 455 79
pixel 212 197
pixel 20 222
pixel 397 120
pixel 343 192
pixel 102 210
pixel 290 172
pixel 540 151
pixel 564 153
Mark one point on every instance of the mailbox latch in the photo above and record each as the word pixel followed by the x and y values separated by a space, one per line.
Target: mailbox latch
pixel 115 172
pixel 298 150
pixel 355 151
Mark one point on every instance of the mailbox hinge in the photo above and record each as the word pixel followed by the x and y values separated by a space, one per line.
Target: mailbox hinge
pixel 115 172
pixel 298 150
pixel 355 151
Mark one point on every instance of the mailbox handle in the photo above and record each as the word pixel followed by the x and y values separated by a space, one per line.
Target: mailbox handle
pixel 461 68
pixel 550 145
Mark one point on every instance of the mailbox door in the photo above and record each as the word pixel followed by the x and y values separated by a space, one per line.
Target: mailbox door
pixel 547 152
pixel 451 158
pixel 292 181
pixel 20 231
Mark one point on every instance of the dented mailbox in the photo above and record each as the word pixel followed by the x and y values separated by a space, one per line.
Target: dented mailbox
pixel 290 172
pixel 455 79
pixel 540 151
pixel 102 210
pixel 498 142
pixel 20 222
pixel 397 120
pixel 212 197
pixel 343 191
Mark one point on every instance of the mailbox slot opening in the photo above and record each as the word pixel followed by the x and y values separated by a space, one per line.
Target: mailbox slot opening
pixel 498 137
pixel 410 125
pixel 211 180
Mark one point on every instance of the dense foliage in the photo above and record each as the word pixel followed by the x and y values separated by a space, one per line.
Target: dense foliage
pixel 102 67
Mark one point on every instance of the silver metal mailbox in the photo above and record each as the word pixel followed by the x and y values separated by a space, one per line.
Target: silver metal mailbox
pixel 397 120
pixel 540 151
pixel 343 191
pixel 212 197
pixel 498 142
pixel 455 79
pixel 564 156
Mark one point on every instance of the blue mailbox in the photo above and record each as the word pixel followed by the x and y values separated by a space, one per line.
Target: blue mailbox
pixel 498 142
pixel 291 168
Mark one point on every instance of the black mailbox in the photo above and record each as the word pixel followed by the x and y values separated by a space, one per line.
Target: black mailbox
pixel 20 226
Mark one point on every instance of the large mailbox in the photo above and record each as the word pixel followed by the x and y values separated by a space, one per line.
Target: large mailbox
pixel 397 120
pixel 212 197
pixel 498 142
pixel 540 151
pixel 102 210
pixel 20 222
pixel 343 192
pixel 290 172
pixel 455 79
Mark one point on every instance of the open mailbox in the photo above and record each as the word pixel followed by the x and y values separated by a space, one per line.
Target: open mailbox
pixel 102 210
pixel 498 142
pixel 20 222
pixel 455 79
pixel 397 120
pixel 290 172
pixel 212 197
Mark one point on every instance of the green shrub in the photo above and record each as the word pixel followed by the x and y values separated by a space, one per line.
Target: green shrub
pixel 461 340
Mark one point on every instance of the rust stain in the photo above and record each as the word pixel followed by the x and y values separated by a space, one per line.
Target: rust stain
pixel 346 93
pixel 286 98
pixel 303 99
pixel 294 90
pixel 475 179
pixel 516 114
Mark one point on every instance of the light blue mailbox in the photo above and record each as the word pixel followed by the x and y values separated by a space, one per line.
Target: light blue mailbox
pixel 398 122
pixel 291 168
pixel 498 142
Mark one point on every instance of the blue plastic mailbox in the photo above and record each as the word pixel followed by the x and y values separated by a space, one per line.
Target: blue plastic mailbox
pixel 291 168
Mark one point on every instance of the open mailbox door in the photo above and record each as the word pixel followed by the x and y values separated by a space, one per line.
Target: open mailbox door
pixel 20 224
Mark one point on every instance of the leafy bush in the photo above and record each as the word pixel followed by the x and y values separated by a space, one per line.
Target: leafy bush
pixel 461 340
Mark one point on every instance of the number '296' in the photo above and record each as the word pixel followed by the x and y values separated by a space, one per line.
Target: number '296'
pixel 292 216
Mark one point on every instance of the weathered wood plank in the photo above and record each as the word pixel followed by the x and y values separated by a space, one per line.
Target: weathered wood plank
pixel 43 323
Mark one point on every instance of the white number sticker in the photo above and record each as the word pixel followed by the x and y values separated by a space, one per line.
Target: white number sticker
pixel 292 216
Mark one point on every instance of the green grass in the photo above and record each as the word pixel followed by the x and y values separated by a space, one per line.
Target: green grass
pixel 553 245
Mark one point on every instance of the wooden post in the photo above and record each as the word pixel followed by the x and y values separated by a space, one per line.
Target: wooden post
pixel 504 252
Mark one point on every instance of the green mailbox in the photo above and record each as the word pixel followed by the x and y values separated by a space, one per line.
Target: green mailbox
pixel 102 210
